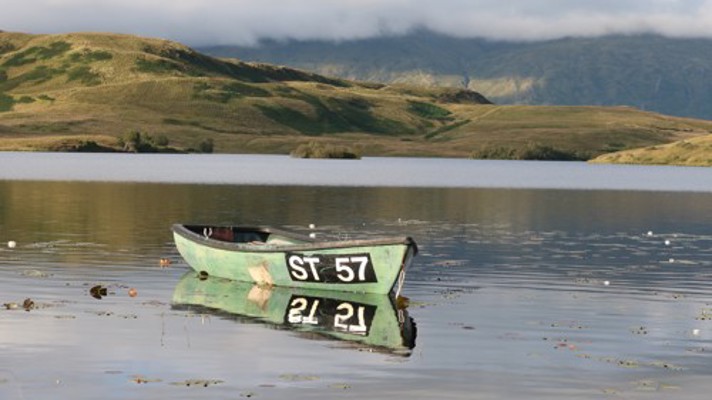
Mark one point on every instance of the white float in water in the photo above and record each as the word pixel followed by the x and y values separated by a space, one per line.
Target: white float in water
pixel 696 332
pixel 312 235
pixel 606 283
pixel 667 243
pixel 12 244
pixel 312 226
pixel 650 233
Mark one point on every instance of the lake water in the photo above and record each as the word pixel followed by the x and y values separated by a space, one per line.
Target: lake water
pixel 534 280
pixel 370 172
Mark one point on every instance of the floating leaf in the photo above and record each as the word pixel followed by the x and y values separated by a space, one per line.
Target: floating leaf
pixel 298 377
pixel 402 302
pixel 198 382
pixel 98 292
pixel 34 273
pixel 342 386
pixel 143 380
pixel 28 304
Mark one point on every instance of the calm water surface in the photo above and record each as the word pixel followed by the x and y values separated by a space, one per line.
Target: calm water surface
pixel 539 290
pixel 370 172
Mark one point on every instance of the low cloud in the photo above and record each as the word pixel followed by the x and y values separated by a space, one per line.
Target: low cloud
pixel 201 22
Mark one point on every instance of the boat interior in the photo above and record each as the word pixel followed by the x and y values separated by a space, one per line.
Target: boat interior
pixel 242 235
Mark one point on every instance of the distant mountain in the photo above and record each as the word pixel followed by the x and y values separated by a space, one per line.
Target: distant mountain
pixel 91 92
pixel 671 76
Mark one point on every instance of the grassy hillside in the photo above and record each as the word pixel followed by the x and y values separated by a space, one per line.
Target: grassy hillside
pixel 691 152
pixel 86 91
pixel 671 76
pixel 107 85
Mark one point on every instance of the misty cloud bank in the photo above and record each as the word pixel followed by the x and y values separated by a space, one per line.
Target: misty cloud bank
pixel 204 22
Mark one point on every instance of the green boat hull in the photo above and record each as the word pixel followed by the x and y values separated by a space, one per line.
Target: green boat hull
pixel 359 319
pixel 277 258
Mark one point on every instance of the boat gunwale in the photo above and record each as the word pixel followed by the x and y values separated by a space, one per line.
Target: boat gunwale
pixel 309 244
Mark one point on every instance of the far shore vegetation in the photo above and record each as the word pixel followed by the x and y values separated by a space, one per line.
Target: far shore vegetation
pixel 139 142
pixel 529 151
pixel 132 142
pixel 323 150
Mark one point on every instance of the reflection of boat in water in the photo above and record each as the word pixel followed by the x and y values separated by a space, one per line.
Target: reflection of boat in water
pixel 268 256
pixel 366 320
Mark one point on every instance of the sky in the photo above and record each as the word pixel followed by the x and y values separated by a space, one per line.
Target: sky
pixel 207 22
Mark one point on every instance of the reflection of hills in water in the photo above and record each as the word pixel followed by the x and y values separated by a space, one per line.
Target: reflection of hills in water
pixel 122 216
pixel 361 319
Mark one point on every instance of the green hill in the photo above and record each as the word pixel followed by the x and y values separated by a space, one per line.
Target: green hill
pixel 85 91
pixel 670 76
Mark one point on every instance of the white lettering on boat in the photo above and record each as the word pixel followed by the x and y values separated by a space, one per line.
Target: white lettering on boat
pixel 297 308
pixel 329 268
pixel 346 313
pixel 331 314
pixel 299 272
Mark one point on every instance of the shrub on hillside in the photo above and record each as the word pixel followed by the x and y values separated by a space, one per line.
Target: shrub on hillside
pixel 137 142
pixel 428 110
pixel 320 150
pixel 531 151
pixel 206 146
pixel 6 102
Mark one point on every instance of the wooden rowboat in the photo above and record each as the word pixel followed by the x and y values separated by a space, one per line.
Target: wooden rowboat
pixel 359 320
pixel 267 256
